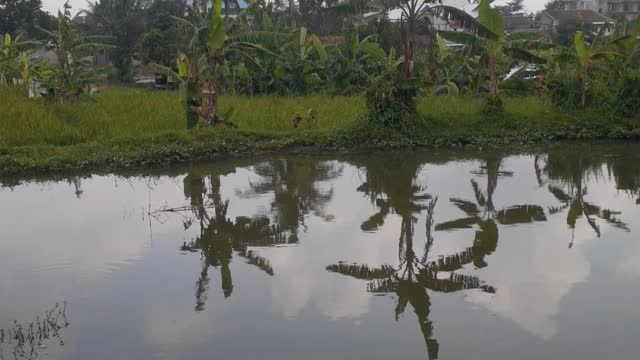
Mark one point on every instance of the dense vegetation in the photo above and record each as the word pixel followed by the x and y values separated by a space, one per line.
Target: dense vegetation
pixel 281 78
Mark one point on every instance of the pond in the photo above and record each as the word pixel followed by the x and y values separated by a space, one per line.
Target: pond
pixel 385 255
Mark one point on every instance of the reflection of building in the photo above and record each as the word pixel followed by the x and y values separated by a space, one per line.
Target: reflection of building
pixel 615 8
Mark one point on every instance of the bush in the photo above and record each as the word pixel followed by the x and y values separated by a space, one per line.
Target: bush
pixel 627 100
pixel 564 91
pixel 391 106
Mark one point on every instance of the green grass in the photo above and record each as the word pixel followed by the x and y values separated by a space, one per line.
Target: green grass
pixel 123 127
pixel 118 113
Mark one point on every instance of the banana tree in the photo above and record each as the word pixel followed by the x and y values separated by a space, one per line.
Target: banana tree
pixel 9 63
pixel 351 68
pixel 487 37
pixel 15 65
pixel 300 62
pixel 73 76
pixel 587 55
pixel 212 41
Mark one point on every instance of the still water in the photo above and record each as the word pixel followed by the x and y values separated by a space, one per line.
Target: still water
pixel 388 255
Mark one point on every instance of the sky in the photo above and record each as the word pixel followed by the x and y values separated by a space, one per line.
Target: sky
pixel 52 6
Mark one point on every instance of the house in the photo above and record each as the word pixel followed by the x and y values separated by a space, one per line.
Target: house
pixel 630 9
pixel 520 23
pixel 555 18
pixel 438 23
pixel 235 6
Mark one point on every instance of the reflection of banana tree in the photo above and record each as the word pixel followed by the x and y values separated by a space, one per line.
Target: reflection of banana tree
pixel 483 214
pixel 572 170
pixel 293 183
pixel 390 184
pixel 412 278
pixel 221 237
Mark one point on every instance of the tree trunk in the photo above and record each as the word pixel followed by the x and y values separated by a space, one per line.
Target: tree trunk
pixel 493 77
pixel 61 91
pixel 292 11
pixel 226 11
pixel 211 112
pixel 494 103
pixel 407 46
pixel 583 86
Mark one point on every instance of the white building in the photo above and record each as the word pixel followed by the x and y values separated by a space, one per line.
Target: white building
pixel 612 8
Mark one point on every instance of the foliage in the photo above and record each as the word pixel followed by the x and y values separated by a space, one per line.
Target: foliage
pixel 121 20
pixel 22 16
pixel 73 75
pixel 390 98
pixel 591 62
pixel 162 38
pixel 487 38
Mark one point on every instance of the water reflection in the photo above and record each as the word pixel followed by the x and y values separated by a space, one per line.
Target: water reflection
pixel 296 248
pixel 567 181
pixel 394 191
pixel 293 184
pixel 27 341
pixel 481 212
pixel 296 194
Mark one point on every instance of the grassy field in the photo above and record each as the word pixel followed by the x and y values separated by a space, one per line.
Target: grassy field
pixel 118 113
pixel 132 127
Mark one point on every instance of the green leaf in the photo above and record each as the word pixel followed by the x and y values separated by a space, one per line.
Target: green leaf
pixel 524 55
pixel 183 65
pixel 460 37
pixel 464 20
pixel 303 41
pixel 490 18
pixel 374 51
pixel 318 48
pixel 581 47
pixel 216 37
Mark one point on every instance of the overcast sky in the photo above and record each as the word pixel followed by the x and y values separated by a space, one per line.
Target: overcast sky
pixel 52 6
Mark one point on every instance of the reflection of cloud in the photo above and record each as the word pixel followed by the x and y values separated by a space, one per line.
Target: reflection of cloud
pixel 532 271
pixel 170 328
pixel 52 241
pixel 301 279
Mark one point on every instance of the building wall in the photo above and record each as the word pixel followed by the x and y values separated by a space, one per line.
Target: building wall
pixel 612 8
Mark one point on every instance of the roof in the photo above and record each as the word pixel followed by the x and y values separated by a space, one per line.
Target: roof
pixel 517 22
pixel 583 16
pixel 468 7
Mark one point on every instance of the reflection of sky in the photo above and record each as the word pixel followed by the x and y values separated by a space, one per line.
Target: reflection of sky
pixel 136 293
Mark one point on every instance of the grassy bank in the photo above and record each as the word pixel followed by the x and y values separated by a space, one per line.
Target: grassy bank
pixel 127 127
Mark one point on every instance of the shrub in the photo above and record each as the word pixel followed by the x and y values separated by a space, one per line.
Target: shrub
pixel 627 99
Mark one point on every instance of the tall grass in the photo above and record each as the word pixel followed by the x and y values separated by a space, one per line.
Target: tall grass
pixel 128 114
pixel 125 113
